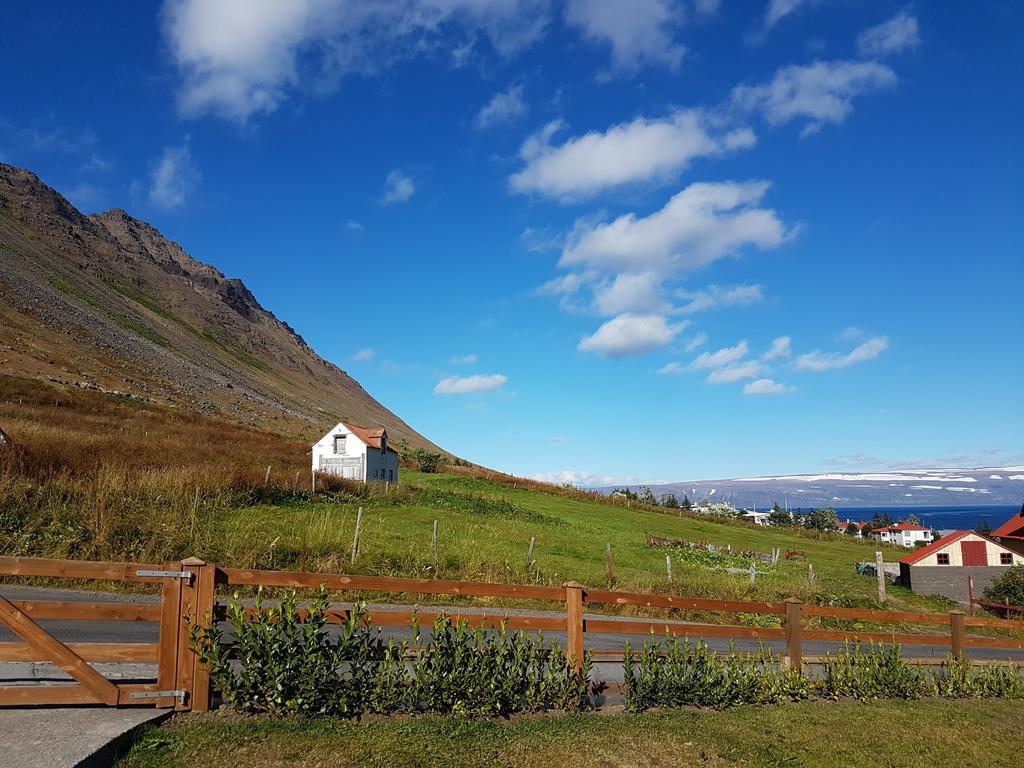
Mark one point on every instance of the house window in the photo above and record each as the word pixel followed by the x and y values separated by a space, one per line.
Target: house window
pixel 383 445
pixel 391 475
pixel 339 444
pixel 1005 558
pixel 942 558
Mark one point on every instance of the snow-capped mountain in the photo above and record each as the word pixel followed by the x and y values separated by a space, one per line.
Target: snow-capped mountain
pixel 910 487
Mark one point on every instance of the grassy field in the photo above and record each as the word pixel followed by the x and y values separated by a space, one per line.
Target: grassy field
pixel 812 735
pixel 101 477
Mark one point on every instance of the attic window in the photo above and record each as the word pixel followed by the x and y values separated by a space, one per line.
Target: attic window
pixel 383 444
pixel 1005 558
pixel 339 444
pixel 942 558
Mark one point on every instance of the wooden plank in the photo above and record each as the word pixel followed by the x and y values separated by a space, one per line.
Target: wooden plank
pixel 972 621
pixel 994 642
pixel 204 613
pixel 682 603
pixel 186 656
pixel 66 695
pixel 574 624
pixel 341 581
pixel 402 618
pixel 170 610
pixel 44 643
pixel 74 569
pixel 87 651
pixel 623 626
pixel 868 614
pixel 903 638
pixel 45 610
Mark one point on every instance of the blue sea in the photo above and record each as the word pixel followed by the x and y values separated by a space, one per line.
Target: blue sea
pixel 937 518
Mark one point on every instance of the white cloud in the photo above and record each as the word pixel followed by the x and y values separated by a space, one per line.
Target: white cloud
pixel 733 373
pixel 897 34
pixel 238 58
pixel 469 385
pixel 780 349
pixel 582 479
pixel 699 225
pixel 398 188
pixel 364 354
pixel 464 359
pixel 639 31
pixel 639 151
pixel 822 92
pixel 563 286
pixel 698 341
pixel 354 226
pixel 707 7
pixel 766 387
pixel 507 105
pixel 629 293
pixel 715 296
pixel 707 361
pixel 671 368
pixel 173 178
pixel 779 9
pixel 628 335
pixel 818 361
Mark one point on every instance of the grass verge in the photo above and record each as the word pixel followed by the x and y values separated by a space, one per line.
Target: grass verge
pixel 811 735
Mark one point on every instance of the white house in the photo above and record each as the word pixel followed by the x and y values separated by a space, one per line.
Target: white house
pixel 903 535
pixel 758 518
pixel 358 453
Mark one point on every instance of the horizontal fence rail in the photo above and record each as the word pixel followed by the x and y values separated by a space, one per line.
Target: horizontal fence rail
pixel 188 597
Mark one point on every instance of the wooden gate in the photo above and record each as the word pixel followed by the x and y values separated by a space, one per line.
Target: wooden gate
pixel 185 589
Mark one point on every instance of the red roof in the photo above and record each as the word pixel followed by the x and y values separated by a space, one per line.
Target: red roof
pixel 935 546
pixel 1012 528
pixel 902 527
pixel 371 437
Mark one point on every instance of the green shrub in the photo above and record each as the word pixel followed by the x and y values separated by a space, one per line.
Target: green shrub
pixel 281 661
pixel 960 679
pixel 680 674
pixel 878 673
pixel 1008 587
pixel 428 461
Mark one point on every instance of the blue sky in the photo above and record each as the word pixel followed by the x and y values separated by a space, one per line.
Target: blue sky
pixel 590 240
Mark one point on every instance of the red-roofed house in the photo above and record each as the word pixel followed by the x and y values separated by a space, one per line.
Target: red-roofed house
pixel 943 566
pixel 358 453
pixel 844 525
pixel 1011 533
pixel 903 535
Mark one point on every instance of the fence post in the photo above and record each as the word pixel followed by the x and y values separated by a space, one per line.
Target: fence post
pixel 970 594
pixel 609 568
pixel 435 549
pixel 187 612
pixel 794 644
pixel 529 552
pixel 170 623
pixel 203 616
pixel 958 632
pixel 880 573
pixel 574 623
pixel 355 539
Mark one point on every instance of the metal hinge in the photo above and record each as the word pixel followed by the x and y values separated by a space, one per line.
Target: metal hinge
pixel 158 695
pixel 166 574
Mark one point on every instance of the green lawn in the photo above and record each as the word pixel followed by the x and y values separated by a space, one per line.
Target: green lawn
pixel 873 735
pixel 488 539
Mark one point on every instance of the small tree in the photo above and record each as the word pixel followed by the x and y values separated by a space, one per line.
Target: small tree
pixel 428 461
pixel 669 500
pixel 780 517
pixel 686 502
pixel 647 496
pixel 913 520
pixel 822 519
pixel 984 528
pixel 852 529
pixel 1008 587
pixel 879 521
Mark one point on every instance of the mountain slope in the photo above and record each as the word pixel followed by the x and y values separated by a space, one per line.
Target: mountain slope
pixel 107 302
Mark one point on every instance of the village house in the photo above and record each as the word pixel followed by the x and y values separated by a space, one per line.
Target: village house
pixel 1011 533
pixel 843 526
pixel 943 567
pixel 903 535
pixel 357 453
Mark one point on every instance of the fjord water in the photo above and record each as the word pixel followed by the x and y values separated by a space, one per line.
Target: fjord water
pixel 938 518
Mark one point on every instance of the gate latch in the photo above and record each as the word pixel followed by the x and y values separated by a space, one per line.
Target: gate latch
pixel 180 695
pixel 166 574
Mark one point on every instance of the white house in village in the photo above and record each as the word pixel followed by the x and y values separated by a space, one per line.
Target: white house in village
pixel 358 453
pixel 903 535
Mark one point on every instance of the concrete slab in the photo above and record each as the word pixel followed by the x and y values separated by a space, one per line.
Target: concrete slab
pixel 86 737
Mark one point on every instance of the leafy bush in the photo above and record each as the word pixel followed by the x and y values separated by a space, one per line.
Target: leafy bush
pixel 474 504
pixel 692 675
pixel 878 673
pixel 960 679
pixel 1008 587
pixel 428 461
pixel 281 661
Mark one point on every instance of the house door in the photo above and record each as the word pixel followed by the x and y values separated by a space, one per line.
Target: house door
pixel 973 552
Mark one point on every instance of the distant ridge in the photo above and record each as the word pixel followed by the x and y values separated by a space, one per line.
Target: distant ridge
pixel 888 488
pixel 107 302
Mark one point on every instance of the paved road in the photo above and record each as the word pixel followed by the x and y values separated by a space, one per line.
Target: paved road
pixel 147 632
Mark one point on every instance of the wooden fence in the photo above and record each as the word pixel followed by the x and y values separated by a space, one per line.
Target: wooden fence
pixel 188 594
